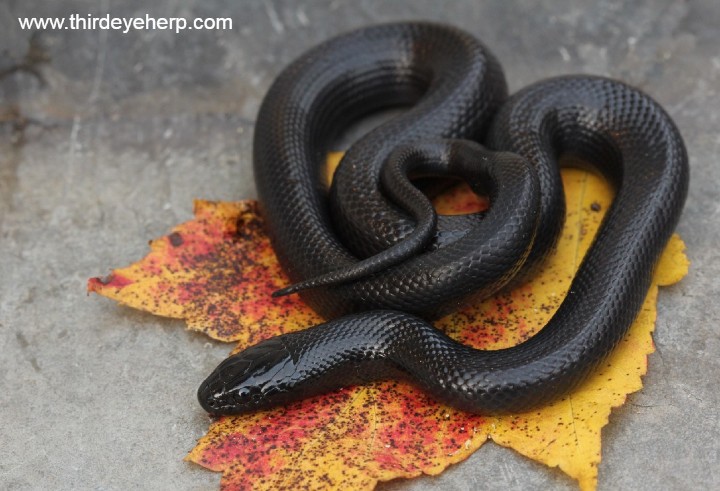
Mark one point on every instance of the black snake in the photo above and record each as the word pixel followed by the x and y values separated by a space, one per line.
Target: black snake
pixel 371 253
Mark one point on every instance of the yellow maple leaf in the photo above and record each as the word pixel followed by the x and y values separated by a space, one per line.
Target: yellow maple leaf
pixel 218 271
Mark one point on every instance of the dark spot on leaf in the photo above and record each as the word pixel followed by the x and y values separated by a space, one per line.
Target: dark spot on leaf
pixel 175 239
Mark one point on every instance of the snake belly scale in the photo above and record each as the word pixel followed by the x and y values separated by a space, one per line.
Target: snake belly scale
pixel 370 253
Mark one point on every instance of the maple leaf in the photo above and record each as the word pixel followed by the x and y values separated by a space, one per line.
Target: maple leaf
pixel 217 272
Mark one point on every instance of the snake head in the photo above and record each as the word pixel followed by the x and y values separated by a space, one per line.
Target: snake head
pixel 250 380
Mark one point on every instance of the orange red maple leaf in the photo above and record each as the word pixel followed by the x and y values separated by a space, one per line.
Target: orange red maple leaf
pixel 217 272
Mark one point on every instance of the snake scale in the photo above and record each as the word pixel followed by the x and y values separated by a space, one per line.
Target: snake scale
pixel 371 253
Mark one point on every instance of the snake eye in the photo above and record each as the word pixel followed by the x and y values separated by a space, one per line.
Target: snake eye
pixel 241 395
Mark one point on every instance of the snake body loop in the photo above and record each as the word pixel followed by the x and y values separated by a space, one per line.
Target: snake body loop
pixel 370 252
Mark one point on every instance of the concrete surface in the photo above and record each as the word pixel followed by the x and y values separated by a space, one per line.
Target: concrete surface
pixel 106 138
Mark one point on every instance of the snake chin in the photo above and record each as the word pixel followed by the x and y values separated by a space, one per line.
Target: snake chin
pixel 248 381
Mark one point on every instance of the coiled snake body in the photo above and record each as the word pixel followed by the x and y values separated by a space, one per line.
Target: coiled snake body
pixel 371 253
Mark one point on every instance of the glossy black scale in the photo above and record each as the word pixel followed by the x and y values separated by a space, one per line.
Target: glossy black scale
pixel 375 258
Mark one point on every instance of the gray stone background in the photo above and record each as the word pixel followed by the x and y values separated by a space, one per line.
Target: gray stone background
pixel 106 138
